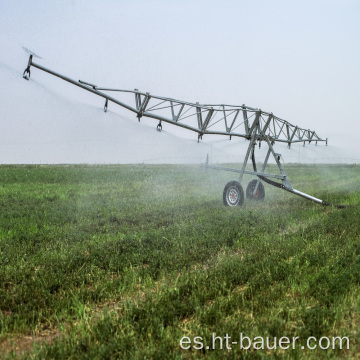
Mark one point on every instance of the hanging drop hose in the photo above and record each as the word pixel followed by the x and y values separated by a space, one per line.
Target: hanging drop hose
pixel 278 185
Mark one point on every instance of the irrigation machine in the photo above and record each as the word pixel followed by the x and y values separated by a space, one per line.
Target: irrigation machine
pixel 255 125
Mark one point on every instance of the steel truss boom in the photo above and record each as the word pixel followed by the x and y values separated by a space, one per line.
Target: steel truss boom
pixel 204 119
pixel 242 121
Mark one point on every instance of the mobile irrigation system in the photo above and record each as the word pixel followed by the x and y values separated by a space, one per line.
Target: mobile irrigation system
pixel 246 122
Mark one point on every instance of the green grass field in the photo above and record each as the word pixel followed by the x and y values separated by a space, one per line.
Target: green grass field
pixel 106 262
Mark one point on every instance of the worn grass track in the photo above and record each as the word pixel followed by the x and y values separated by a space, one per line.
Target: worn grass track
pixel 123 261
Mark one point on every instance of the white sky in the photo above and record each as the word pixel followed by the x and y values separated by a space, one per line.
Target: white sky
pixel 297 59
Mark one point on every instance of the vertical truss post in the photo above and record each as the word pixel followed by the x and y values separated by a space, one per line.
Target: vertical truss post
pixel 143 105
pixel 172 110
pixel 207 119
pixel 246 121
pixel 137 99
pixel 199 116
pixel 287 131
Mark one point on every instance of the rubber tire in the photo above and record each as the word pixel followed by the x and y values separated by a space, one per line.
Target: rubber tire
pixel 260 193
pixel 233 194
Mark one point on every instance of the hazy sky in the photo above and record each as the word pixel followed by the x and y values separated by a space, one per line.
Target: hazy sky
pixel 297 59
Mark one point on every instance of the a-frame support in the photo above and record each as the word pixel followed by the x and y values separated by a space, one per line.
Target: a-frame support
pixel 257 135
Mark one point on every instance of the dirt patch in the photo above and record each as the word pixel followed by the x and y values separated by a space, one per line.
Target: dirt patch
pixel 23 343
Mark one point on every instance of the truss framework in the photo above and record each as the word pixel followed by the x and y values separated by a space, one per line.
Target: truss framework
pixel 242 121
pixel 218 119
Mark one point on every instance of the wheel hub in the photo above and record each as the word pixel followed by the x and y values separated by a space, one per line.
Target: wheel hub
pixel 233 195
